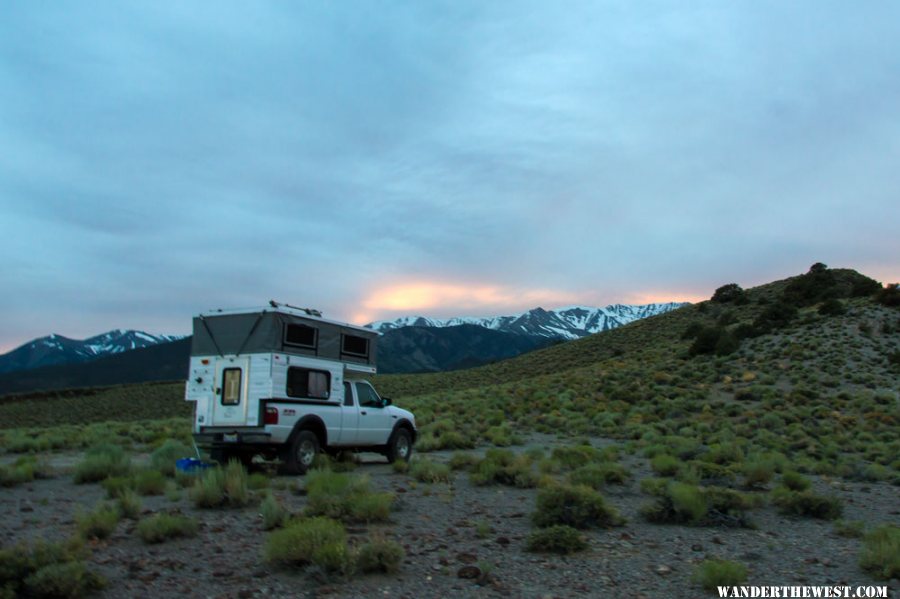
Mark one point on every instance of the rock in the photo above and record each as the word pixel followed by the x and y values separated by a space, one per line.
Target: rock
pixel 696 547
pixel 467 558
pixel 260 573
pixel 718 541
pixel 663 570
pixel 504 541
pixel 26 508
pixel 469 572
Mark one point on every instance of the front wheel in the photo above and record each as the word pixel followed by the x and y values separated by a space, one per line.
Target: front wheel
pixel 399 446
pixel 301 453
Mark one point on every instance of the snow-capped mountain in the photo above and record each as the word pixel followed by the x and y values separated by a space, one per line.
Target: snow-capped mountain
pixel 570 322
pixel 56 349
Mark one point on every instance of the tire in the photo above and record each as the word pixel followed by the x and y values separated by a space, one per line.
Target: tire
pixel 301 453
pixel 399 446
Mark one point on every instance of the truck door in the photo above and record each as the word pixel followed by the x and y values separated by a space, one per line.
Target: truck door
pixel 230 400
pixel 375 422
pixel 349 418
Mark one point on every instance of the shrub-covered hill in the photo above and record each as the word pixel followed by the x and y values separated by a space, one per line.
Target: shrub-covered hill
pixel 818 384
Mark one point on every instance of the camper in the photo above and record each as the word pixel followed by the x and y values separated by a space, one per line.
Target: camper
pixel 284 383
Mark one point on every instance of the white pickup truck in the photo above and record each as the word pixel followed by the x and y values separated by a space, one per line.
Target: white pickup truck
pixel 285 383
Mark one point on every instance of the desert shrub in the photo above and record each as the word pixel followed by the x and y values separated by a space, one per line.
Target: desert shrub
pixel 221 487
pixel 129 504
pixel 807 503
pixel 889 295
pixel 272 512
pixel 575 456
pixel 665 465
pixel 817 285
pixel 257 481
pixel 116 485
pixel 63 580
pixel 795 481
pixel 731 292
pixel 692 330
pixel 426 471
pixel 852 529
pixel 598 475
pixel 101 462
pixel 758 472
pixel 98 524
pixel 774 316
pixel 318 541
pixel 501 466
pixel 556 539
pixel 575 506
pixel 717 339
pixel 461 460
pixel 345 497
pixel 400 466
pixel 713 573
pixel 881 552
pixel 832 307
pixel 162 527
pixel 10 476
pixel 150 482
pixel 165 456
pixel 380 555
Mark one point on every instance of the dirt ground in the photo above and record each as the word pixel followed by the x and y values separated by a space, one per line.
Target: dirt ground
pixel 444 528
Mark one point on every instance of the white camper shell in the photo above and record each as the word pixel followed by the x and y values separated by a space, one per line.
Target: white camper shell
pixel 286 383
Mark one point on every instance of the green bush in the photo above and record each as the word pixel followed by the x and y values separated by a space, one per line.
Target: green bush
pixel 718 340
pixel 852 529
pixel 881 552
pixel 576 456
pixel 63 580
pixel 795 481
pixel 98 524
pixel 116 485
pixel 889 296
pixel 575 506
pixel 162 527
pixel 345 497
pixel 101 462
pixel 598 475
pixel 257 481
pixel 556 539
pixel 221 487
pixel 461 460
pixel 272 512
pixel 665 465
pixel 427 471
pixel 380 555
pixel 501 466
pixel 165 457
pixel 713 573
pixel 807 503
pixel 129 504
pixel 150 482
pixel 832 307
pixel 42 570
pixel 758 472
pixel 318 541
pixel 731 292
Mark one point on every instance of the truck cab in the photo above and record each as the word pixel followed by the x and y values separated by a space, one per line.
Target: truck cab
pixel 285 383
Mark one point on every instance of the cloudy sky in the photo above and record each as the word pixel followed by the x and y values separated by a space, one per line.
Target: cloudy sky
pixel 375 159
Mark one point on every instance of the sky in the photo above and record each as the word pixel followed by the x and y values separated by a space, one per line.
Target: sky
pixel 377 159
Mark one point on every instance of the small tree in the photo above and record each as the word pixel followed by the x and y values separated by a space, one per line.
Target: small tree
pixel 731 292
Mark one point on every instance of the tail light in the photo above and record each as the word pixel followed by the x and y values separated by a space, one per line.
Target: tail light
pixel 271 416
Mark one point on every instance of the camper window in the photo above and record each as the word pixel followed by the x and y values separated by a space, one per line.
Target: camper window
pixel 303 382
pixel 300 335
pixel 231 386
pixel 355 346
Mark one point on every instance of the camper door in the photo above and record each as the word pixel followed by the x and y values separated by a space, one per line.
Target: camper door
pixel 230 403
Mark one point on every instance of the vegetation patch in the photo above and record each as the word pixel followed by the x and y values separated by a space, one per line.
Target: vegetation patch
pixel 880 554
pixel 318 541
pixel 162 527
pixel 426 471
pixel 221 487
pixel 503 467
pixel 379 555
pixel 98 524
pixel 576 506
pixel 101 462
pixel 713 573
pixel 345 497
pixel 47 570
pixel 559 539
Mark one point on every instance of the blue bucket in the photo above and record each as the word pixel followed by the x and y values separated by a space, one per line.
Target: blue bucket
pixel 191 465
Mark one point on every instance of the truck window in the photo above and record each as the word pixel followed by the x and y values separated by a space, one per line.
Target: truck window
pixel 231 386
pixel 367 396
pixel 348 395
pixel 355 346
pixel 300 335
pixel 308 383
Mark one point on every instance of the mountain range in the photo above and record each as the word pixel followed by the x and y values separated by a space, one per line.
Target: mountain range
pixel 56 349
pixel 572 322
pixel 410 344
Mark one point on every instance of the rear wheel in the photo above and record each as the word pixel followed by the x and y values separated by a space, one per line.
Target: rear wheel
pixel 301 453
pixel 399 446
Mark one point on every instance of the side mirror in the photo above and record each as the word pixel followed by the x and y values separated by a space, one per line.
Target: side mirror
pixel 386 401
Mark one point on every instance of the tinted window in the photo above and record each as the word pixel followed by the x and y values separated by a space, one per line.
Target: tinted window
pixel 356 346
pixel 231 386
pixel 348 395
pixel 300 335
pixel 303 382
pixel 367 396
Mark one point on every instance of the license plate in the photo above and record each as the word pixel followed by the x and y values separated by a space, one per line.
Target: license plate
pixel 230 437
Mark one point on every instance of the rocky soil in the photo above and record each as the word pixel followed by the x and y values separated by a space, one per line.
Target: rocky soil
pixel 460 541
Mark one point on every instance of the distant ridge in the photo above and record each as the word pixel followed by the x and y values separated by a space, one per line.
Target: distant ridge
pixel 571 322
pixel 56 349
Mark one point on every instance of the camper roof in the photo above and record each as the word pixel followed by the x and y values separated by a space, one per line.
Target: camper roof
pixel 289 310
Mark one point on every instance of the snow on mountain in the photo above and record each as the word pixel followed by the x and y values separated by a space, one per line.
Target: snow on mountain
pixel 570 322
pixel 56 349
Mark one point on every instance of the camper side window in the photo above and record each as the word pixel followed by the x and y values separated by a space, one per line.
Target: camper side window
pixel 303 382
pixel 355 346
pixel 300 335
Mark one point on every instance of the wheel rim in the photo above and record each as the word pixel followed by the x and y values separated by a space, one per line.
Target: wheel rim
pixel 402 446
pixel 306 453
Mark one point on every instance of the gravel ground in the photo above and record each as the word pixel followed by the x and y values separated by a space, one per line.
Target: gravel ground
pixel 439 526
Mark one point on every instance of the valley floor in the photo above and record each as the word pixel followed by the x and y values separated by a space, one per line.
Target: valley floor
pixel 445 527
